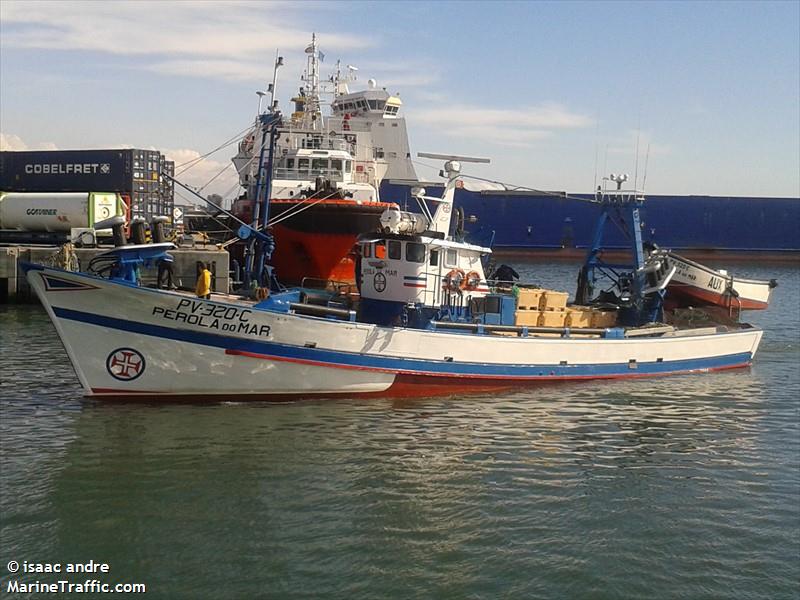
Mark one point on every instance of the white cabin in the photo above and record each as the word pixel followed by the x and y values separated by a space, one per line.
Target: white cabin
pixel 421 269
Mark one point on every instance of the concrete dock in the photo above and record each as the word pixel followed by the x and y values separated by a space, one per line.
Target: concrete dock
pixel 14 287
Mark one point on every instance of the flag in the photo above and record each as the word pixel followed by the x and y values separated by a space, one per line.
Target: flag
pixel 321 57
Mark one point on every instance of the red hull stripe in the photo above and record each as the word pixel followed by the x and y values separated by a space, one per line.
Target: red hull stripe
pixel 718 299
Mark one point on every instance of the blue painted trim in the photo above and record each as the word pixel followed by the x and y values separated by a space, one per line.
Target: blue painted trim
pixel 27 266
pixel 395 364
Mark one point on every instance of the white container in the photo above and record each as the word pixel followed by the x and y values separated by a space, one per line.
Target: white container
pixel 57 211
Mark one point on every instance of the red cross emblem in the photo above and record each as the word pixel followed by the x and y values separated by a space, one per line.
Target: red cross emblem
pixel 125 364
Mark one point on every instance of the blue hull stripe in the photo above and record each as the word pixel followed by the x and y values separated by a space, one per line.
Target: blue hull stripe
pixel 396 364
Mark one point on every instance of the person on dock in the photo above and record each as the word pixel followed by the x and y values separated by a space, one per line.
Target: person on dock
pixel 203 289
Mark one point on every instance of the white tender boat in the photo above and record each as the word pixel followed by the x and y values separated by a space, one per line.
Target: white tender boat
pixel 427 322
pixel 696 284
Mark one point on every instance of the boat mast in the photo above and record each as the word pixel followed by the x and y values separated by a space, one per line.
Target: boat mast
pixel 312 117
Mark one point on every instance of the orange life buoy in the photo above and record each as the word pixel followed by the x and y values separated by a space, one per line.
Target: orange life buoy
pixel 471 281
pixel 453 281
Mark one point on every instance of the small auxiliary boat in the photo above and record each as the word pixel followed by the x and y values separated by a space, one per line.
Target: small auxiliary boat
pixel 697 285
pixel 427 321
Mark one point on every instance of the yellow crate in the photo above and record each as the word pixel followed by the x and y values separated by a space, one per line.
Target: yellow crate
pixel 553 318
pixel 529 318
pixel 579 317
pixel 601 318
pixel 529 298
pixel 554 300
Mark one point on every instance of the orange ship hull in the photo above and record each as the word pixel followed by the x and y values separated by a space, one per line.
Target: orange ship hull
pixel 314 239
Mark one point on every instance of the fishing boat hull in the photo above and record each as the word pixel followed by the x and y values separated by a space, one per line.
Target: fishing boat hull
pixel 696 284
pixel 129 342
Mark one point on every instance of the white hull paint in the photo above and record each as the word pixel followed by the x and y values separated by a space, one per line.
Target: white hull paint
pixel 200 348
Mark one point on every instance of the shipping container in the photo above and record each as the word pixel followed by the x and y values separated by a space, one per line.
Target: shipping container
pixel 66 171
pixel 124 171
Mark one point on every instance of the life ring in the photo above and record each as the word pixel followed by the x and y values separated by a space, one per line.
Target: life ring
pixel 471 281
pixel 453 281
pixel 262 293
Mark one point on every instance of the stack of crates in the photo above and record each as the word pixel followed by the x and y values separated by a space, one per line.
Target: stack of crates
pixel 583 316
pixel 537 307
pixel 541 308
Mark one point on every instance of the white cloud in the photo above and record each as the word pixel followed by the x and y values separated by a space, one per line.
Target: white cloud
pixel 11 142
pixel 514 127
pixel 165 36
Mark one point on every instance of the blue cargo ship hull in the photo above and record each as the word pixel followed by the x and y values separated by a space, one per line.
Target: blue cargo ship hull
pixel 560 223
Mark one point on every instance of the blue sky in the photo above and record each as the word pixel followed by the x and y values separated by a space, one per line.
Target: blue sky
pixel 553 92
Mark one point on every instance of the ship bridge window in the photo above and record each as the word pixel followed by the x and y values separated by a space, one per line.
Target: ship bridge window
pixel 348 166
pixel 395 250
pixel 373 104
pixel 434 258
pixel 367 251
pixel 391 110
pixel 380 250
pixel 336 165
pixel 451 258
pixel 362 104
pixel 415 252
pixel 319 165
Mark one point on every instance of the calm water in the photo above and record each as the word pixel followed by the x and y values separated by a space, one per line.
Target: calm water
pixel 684 487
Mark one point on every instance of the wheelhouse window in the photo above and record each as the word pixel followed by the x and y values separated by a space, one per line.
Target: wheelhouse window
pixel 380 250
pixel 415 252
pixel 290 163
pixel 451 258
pixel 348 166
pixel 302 164
pixel 366 250
pixel 395 250
pixel 433 259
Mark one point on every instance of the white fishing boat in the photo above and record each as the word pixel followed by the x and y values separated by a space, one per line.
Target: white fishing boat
pixel 698 285
pixel 427 321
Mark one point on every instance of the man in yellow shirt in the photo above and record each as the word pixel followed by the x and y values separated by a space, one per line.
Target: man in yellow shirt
pixel 203 281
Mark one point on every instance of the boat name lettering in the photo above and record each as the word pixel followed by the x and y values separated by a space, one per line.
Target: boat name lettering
pixel 222 318
pixel 715 283
pixel 682 269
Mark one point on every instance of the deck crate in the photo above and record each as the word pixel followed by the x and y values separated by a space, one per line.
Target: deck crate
pixel 554 300
pixel 529 318
pixel 579 317
pixel 604 318
pixel 529 298
pixel 553 318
